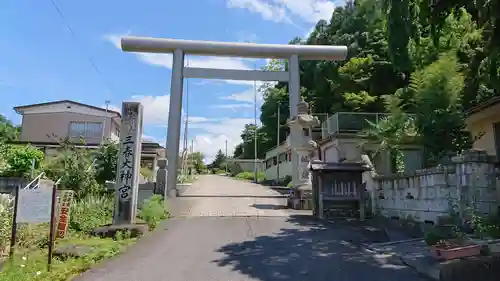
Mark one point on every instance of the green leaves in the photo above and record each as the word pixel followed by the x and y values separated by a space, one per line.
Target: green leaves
pixel 437 95
pixel 219 159
pixel 74 166
pixel 8 132
pixel 106 162
pixel 18 160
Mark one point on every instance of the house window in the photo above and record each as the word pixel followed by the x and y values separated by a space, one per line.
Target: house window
pixel 85 129
pixel 282 157
pixel 269 163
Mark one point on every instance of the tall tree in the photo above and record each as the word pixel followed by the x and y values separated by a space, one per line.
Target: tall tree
pixel 218 160
pixel 196 159
pixel 8 132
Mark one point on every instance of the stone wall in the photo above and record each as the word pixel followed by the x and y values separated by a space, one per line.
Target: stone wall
pixel 8 184
pixel 428 194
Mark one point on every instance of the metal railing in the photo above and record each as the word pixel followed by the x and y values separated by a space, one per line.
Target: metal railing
pixel 349 122
pixel 35 183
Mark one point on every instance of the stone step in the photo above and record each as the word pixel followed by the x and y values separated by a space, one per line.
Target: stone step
pixel 46 183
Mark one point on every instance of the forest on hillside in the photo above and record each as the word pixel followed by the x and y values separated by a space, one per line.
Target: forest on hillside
pixel 425 62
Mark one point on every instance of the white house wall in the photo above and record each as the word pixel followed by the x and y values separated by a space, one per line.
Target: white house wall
pixel 285 167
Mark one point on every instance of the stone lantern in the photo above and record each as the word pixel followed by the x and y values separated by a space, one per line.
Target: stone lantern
pixel 304 147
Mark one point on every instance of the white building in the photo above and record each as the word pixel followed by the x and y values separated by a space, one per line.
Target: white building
pixel 279 154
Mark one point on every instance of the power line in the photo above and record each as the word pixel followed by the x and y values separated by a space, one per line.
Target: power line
pixel 73 34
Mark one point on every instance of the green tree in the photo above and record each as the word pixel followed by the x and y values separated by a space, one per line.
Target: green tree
pixel 18 160
pixel 197 159
pixel 238 151
pixel 106 162
pixel 440 119
pixel 8 132
pixel 434 59
pixel 249 137
pixel 218 160
pixel 74 167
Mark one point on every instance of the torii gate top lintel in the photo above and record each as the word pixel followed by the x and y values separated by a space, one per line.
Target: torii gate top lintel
pixel 249 50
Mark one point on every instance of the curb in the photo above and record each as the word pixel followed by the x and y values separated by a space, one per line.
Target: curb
pixel 425 272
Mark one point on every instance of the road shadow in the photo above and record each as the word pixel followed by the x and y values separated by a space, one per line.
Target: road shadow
pixel 309 249
pixel 230 196
pixel 269 206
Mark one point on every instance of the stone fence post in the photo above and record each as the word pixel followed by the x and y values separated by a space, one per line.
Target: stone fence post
pixel 476 183
pixel 369 181
pixel 161 177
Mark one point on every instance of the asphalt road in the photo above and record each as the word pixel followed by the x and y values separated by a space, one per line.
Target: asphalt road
pixel 227 230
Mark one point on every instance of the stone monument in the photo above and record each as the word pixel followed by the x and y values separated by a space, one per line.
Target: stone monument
pixel 305 148
pixel 161 177
pixel 127 176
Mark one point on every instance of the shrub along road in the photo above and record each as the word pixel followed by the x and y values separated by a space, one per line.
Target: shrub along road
pixel 232 230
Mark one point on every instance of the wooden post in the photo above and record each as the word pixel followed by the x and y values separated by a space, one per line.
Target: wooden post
pixel 13 235
pixel 320 198
pixel 52 226
pixel 361 189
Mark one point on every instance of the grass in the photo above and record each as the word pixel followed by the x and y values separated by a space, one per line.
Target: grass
pixel 32 265
pixel 30 260
pixel 249 176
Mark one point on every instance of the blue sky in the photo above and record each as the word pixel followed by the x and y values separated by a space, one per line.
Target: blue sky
pixel 40 59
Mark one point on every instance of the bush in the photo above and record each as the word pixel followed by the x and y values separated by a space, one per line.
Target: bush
pixel 17 160
pixel 219 171
pixel 153 211
pixel 74 167
pixel 90 212
pixel 234 169
pixel 287 181
pixel 250 176
pixel 106 161
pixel 6 207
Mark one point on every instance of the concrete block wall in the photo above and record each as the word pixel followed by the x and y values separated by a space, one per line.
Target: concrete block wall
pixel 425 195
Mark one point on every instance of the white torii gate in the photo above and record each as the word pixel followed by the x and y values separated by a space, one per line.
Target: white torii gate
pixel 180 48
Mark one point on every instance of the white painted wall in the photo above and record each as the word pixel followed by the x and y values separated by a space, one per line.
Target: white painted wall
pixel 285 167
pixel 330 152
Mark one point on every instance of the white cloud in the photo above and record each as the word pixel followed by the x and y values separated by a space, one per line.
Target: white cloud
pixel 245 36
pixel 233 106
pixel 215 133
pixel 247 96
pixel 268 11
pixel 310 11
pixel 148 138
pixel 156 109
pixel 197 119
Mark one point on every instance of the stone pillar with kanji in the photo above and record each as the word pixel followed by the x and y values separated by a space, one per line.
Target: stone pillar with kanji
pixel 301 142
pixel 127 176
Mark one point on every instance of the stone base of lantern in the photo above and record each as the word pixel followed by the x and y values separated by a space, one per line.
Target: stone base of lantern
pixel 301 199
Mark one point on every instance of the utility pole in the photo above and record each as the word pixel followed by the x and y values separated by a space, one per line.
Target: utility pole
pixel 278 145
pixel 105 120
pixel 255 121
pixel 226 157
